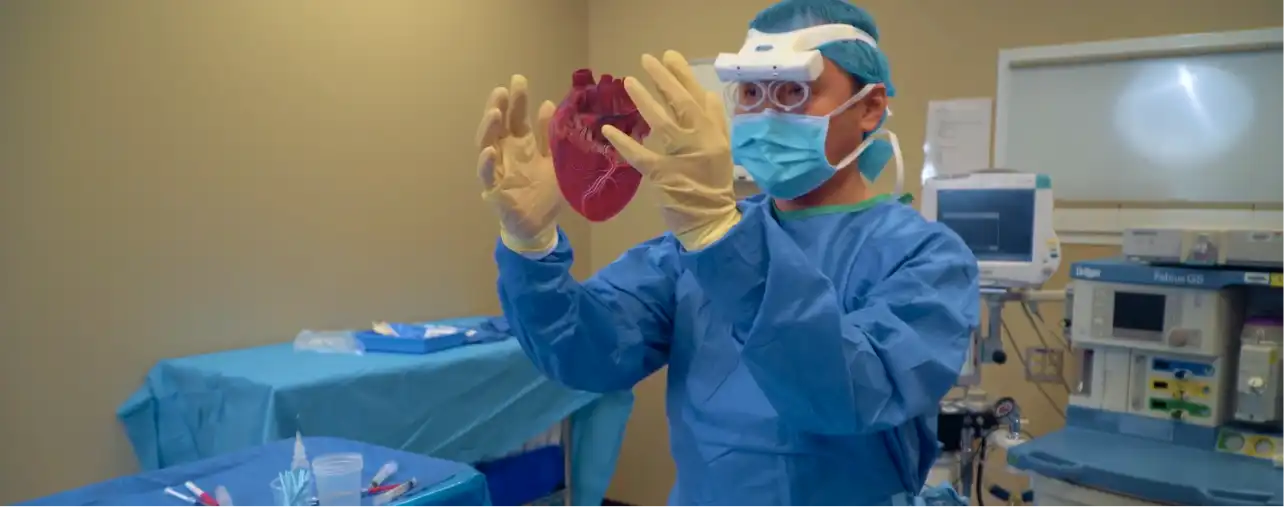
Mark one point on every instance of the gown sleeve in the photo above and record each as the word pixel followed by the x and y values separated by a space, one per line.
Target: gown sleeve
pixel 605 334
pixel 831 371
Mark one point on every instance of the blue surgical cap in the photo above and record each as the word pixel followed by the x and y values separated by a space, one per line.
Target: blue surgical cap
pixel 866 64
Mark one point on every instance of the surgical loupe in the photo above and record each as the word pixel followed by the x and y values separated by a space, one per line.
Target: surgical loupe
pixel 784 96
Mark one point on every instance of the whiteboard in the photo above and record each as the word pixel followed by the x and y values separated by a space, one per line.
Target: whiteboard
pixel 1196 128
pixel 708 78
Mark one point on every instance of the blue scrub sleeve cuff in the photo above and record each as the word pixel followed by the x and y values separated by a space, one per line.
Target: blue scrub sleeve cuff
pixel 543 253
pixel 560 252
pixel 602 335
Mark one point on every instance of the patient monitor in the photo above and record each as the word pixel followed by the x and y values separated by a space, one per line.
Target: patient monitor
pixel 1005 217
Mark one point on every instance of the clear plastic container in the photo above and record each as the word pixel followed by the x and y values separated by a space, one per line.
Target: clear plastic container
pixel 338 478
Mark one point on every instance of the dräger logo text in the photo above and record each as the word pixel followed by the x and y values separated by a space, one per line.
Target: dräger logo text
pixel 1087 273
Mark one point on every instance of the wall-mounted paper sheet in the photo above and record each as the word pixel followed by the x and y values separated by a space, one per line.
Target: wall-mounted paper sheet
pixel 957 139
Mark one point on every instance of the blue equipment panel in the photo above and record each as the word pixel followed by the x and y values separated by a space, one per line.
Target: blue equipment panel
pixel 1150 470
pixel 1119 270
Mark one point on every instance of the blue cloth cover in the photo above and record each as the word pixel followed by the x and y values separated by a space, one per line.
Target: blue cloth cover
pixel 464 404
pixel 247 473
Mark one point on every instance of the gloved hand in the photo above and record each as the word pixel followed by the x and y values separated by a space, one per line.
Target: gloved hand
pixel 516 170
pixel 692 166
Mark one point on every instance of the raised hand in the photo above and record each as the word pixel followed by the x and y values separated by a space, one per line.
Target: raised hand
pixel 691 166
pixel 516 169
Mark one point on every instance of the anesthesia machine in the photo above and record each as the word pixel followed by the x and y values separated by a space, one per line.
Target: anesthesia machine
pixel 1005 217
pixel 1178 398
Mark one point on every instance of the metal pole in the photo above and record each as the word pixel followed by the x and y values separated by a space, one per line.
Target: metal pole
pixel 992 345
pixel 566 461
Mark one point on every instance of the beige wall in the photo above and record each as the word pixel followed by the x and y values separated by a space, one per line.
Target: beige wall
pixel 186 177
pixel 938 49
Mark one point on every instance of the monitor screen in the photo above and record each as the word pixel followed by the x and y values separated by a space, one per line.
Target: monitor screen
pixel 996 223
pixel 1139 312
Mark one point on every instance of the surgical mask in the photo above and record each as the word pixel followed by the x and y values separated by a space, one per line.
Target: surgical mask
pixel 785 152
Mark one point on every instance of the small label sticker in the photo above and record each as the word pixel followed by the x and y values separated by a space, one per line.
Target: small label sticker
pixel 1257 278
pixel 1277 279
pixel 1258 237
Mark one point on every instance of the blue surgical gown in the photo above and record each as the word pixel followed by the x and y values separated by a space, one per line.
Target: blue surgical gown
pixel 807 351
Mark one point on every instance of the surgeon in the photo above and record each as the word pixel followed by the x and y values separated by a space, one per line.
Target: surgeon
pixel 809 333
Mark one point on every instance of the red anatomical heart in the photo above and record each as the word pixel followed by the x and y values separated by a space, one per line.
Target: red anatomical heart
pixel 595 180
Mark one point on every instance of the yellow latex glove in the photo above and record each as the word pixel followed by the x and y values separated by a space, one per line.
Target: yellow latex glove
pixel 692 166
pixel 516 170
